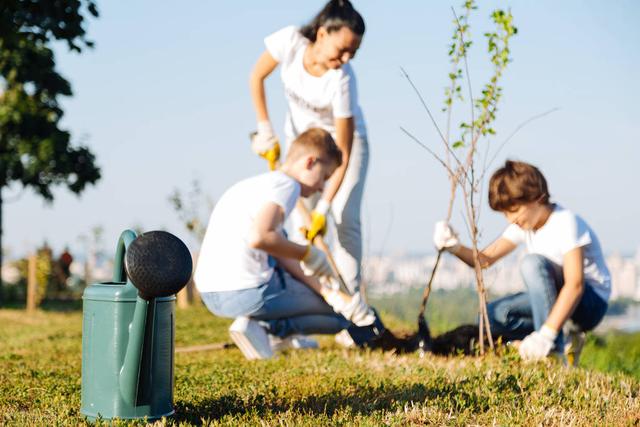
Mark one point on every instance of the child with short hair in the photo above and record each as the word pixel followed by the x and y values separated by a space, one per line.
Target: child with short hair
pixel 564 271
pixel 249 270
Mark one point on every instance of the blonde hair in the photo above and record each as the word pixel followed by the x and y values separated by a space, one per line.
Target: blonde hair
pixel 316 141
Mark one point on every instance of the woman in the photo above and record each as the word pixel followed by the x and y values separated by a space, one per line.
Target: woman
pixel 320 88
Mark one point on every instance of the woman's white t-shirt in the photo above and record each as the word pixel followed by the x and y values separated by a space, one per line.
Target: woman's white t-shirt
pixel 226 262
pixel 313 101
pixel 563 232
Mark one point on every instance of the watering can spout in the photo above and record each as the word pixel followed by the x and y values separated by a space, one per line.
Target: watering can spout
pixel 170 272
pixel 130 372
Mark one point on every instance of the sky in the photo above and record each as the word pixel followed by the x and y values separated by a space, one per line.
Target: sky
pixel 163 100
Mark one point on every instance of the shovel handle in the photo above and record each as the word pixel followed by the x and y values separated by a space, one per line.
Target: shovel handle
pixel 319 242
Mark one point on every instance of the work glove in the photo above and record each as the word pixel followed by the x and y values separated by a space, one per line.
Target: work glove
pixel 444 237
pixel 264 143
pixel 318 220
pixel 352 308
pixel 537 344
pixel 315 263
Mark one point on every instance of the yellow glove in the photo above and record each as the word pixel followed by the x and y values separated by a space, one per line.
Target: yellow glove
pixel 318 220
pixel 272 155
pixel 265 143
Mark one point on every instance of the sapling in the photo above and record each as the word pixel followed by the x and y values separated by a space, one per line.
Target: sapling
pixel 460 158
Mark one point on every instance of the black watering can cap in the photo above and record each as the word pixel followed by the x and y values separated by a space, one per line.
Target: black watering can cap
pixel 158 264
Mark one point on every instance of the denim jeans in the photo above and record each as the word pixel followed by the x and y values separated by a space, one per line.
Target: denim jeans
pixel 516 316
pixel 285 305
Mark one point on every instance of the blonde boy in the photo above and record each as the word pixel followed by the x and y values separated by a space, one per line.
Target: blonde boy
pixel 250 271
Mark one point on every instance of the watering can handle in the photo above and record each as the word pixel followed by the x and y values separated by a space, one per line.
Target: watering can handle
pixel 126 238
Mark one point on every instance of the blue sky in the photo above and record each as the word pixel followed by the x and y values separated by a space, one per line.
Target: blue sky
pixel 163 99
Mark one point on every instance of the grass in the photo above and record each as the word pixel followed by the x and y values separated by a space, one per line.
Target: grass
pixel 40 359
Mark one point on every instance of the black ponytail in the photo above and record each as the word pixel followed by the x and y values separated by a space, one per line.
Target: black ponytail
pixel 333 16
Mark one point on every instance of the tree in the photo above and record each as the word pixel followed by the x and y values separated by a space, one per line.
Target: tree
pixel 461 156
pixel 34 151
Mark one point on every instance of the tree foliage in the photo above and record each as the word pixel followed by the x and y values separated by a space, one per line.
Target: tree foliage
pixel 34 150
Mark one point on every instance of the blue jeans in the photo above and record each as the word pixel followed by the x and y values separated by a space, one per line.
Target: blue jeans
pixel 516 316
pixel 285 305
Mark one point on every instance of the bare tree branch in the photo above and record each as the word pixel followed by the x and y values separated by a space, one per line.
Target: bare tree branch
pixel 520 126
pixel 433 120
pixel 417 141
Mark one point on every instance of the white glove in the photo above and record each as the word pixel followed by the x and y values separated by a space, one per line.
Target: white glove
pixel 264 139
pixel 359 311
pixel 445 237
pixel 537 344
pixel 315 263
pixel 352 308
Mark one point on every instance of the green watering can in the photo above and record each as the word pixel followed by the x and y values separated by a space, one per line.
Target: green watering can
pixel 128 329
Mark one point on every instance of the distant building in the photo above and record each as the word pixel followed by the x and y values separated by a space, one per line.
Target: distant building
pixel 385 275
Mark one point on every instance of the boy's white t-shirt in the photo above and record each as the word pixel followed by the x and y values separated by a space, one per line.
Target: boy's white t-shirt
pixel 313 101
pixel 563 232
pixel 226 262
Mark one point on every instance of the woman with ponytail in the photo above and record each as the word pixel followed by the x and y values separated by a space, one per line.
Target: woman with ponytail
pixel 320 88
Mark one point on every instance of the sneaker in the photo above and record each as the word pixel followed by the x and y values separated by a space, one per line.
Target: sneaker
pixel 303 341
pixel 251 338
pixel 344 339
pixel 573 346
pixel 292 342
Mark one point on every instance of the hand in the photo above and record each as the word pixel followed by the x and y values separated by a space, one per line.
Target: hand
pixel 353 308
pixel 318 220
pixel 444 237
pixel 315 263
pixel 359 312
pixel 537 344
pixel 265 143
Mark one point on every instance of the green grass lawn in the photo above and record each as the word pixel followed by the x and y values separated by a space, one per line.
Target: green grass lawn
pixel 40 360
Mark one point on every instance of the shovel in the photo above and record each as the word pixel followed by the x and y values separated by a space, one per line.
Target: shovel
pixel 424 335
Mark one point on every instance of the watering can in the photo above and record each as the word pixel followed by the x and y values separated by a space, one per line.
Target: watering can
pixel 128 329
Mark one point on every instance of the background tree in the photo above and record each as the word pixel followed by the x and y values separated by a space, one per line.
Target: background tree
pixel 193 208
pixel 34 151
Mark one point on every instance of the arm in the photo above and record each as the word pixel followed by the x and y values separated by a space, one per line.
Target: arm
pixel 293 268
pixel 538 344
pixel 352 307
pixel 344 140
pixel 488 256
pixel 571 291
pixel 261 70
pixel 266 236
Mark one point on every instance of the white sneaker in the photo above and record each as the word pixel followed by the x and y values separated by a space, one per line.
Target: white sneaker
pixel 303 341
pixel 251 338
pixel 344 339
pixel 292 342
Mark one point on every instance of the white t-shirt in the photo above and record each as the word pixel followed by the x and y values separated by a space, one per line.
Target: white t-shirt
pixel 563 232
pixel 313 101
pixel 226 261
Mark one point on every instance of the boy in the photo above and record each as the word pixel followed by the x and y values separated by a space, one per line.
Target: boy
pixel 249 270
pixel 564 270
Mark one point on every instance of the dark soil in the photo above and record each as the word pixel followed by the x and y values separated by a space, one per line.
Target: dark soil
pixel 461 340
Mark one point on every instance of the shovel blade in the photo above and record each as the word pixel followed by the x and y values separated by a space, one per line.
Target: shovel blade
pixel 424 334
